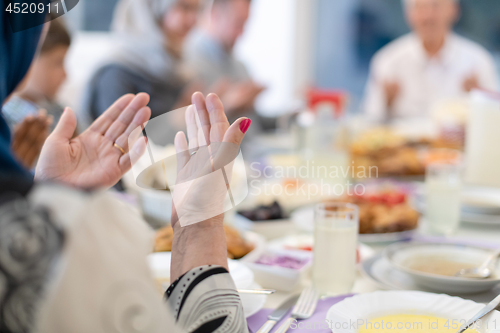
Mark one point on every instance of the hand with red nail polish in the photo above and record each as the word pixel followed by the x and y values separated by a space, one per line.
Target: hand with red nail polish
pixel 245 125
pixel 198 195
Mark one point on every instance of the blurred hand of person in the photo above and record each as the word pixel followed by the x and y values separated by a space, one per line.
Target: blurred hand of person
pixel 29 137
pixel 240 97
pixel 91 160
pixel 188 91
pixel 392 91
pixel 199 178
pixel 470 83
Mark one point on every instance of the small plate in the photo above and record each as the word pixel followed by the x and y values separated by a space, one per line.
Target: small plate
pixel 253 303
pixel 243 277
pixel 400 255
pixel 159 264
pixel 304 220
pixel 360 308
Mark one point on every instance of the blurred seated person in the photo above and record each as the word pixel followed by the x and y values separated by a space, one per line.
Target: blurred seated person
pixel 210 54
pixel 39 88
pixel 32 110
pixel 73 258
pixel 431 64
pixel 148 57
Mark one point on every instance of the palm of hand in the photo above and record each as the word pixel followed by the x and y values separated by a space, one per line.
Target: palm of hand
pixel 200 188
pixel 91 160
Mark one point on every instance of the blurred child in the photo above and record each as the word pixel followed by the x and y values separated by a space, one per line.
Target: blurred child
pixel 46 75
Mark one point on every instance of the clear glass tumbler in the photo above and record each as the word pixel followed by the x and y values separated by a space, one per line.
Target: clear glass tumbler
pixel 443 185
pixel 336 228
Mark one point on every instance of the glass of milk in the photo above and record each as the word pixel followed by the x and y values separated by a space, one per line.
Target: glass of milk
pixel 443 184
pixel 335 243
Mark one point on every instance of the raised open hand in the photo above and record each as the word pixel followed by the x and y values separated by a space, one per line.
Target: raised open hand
pixel 92 160
pixel 470 83
pixel 240 97
pixel 200 189
pixel 29 137
pixel 205 163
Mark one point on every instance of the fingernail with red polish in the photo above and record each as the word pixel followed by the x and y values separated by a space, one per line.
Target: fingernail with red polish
pixel 244 125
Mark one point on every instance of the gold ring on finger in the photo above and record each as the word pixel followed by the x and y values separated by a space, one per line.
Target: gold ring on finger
pixel 119 148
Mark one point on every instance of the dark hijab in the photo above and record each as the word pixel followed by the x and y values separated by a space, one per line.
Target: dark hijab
pixel 17 50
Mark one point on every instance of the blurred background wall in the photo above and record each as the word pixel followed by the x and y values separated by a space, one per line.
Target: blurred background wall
pixel 292 44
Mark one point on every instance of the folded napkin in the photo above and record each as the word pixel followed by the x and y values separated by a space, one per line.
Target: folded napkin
pixel 316 323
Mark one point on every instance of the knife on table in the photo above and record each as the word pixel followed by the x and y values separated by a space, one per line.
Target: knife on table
pixel 278 314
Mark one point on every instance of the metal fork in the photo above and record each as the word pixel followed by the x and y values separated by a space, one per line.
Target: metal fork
pixel 303 309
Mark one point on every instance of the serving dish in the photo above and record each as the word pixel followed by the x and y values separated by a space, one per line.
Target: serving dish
pixel 303 219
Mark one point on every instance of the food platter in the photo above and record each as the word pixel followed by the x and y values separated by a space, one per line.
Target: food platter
pixel 304 220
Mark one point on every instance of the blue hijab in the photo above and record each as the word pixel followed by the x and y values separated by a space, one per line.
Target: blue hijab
pixel 17 50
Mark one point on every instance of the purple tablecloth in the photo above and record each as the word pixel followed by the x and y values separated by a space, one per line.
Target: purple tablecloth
pixel 316 323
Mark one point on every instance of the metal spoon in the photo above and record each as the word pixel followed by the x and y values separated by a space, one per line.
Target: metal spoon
pixel 484 271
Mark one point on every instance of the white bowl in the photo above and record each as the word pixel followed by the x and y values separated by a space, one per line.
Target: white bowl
pixel 156 204
pixel 400 255
pixel 361 308
pixel 275 277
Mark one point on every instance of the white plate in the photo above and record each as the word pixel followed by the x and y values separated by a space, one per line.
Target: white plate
pixel 304 220
pixel 380 303
pixel 400 255
pixel 385 276
pixel 481 200
pixel 242 275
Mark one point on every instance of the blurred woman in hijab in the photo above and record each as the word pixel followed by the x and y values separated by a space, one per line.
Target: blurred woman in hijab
pixel 75 261
pixel 147 57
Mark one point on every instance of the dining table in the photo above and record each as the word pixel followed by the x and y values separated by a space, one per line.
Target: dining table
pixel 484 235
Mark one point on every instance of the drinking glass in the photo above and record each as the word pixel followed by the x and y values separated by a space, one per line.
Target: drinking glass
pixel 335 242
pixel 443 184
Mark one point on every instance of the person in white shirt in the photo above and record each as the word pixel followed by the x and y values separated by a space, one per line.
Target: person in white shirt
pixel 430 64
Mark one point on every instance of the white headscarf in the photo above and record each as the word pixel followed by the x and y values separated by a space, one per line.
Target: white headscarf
pixel 141 41
pixel 140 17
